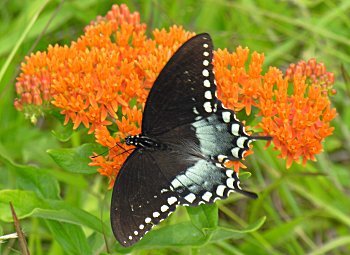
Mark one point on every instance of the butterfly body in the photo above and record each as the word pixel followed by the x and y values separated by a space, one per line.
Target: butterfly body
pixel 187 135
pixel 142 141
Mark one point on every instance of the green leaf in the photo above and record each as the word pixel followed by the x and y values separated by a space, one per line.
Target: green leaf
pixel 27 203
pixel 223 233
pixel 76 160
pixel 70 237
pixel 32 178
pixel 204 216
pixel 24 203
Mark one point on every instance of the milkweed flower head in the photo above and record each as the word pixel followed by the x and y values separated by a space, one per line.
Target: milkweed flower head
pixel 102 80
pixel 296 109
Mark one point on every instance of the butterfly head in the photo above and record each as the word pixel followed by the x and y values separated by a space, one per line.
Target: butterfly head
pixel 130 140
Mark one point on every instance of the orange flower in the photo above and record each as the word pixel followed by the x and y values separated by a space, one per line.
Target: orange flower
pixel 103 79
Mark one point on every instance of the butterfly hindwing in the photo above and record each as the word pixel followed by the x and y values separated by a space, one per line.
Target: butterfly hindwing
pixel 222 136
pixel 199 180
pixel 150 186
pixel 138 199
pixel 185 88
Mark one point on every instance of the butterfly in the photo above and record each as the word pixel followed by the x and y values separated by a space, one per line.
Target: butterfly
pixel 187 135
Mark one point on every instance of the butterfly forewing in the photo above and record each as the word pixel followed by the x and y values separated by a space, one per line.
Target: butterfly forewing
pixel 184 90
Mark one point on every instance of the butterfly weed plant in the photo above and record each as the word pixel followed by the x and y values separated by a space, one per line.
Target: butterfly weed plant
pixel 101 81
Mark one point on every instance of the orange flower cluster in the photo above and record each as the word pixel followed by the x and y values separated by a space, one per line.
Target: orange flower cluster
pixel 238 88
pixel 296 109
pixel 102 80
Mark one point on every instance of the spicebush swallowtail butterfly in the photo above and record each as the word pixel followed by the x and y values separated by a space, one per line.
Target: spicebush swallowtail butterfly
pixel 187 135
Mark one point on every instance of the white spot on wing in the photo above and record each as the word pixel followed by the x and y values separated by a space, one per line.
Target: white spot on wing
pixel 216 199
pixel 206 53
pixel 175 183
pixel 156 214
pixel 164 208
pixel 130 237
pixel 172 200
pixel 235 152
pixel 205 73
pixel 240 141
pixel 219 165
pixel 195 110
pixel 207 107
pixel 221 158
pixel 226 116
pixel 141 226
pixel 205 62
pixel 207 195
pixel 136 233
pixel 220 190
pixel 229 173
pixel 205 45
pixel 190 197
pixel 235 129
pixel 208 95
pixel 230 191
pixel 206 83
pixel 230 182
pixel 249 142
pixel 163 190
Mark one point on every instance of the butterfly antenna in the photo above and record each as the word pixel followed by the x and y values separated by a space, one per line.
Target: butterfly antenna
pixel 117 144
pixel 124 150
pixel 102 153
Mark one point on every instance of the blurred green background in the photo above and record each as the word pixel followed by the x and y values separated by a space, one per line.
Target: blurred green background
pixel 307 208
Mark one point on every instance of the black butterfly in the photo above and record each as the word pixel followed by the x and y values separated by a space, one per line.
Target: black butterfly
pixel 187 135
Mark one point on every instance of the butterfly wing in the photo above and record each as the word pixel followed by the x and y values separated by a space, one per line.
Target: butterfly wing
pixel 151 184
pixel 185 88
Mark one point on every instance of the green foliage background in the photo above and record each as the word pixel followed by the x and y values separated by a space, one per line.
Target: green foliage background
pixel 64 205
